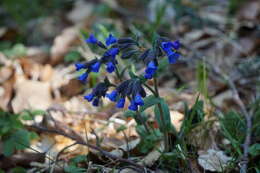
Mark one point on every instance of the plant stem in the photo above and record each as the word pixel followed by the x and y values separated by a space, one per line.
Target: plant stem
pixel 138 114
pixel 140 118
pixel 149 88
pixel 165 134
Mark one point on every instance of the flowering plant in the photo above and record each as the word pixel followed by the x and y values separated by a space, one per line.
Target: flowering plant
pixel 132 88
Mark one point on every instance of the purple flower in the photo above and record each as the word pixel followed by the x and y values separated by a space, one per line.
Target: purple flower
pixel 110 40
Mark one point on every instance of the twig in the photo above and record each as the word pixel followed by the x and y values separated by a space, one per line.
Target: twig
pixel 130 167
pixel 58 155
pixel 80 141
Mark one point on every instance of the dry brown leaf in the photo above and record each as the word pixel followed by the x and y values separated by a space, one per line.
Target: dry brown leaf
pixel 62 44
pixel 80 12
pixel 6 92
pixel 46 73
pixel 250 10
pixel 176 118
pixel 153 156
pixel 37 55
pixel 5 73
pixel 31 95
pixel 213 160
pixel 125 147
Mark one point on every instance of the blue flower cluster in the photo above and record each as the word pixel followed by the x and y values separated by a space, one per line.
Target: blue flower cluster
pixel 108 58
pixel 170 48
pixel 130 88
pixel 99 91
pixel 128 47
pixel 150 56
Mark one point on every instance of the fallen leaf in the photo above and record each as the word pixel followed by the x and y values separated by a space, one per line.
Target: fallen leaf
pixel 250 10
pixel 46 73
pixel 31 95
pixel 37 55
pixel 213 160
pixel 125 147
pixel 176 118
pixel 80 12
pixel 62 43
pixel 153 156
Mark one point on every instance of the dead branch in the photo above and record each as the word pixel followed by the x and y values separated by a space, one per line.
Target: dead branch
pixel 80 140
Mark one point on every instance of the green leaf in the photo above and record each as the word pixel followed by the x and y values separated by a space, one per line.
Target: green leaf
pixel 132 72
pixel 73 56
pixel 233 128
pixel 26 116
pixel 19 140
pixel 103 29
pixel 202 78
pixel 18 170
pixel 193 116
pixel 78 159
pixel 149 101
pixel 140 129
pixel 162 116
pixel 33 135
pixel 16 51
pixel 254 149
pixel 74 169
pixel 121 128
pixel 9 147
pixel 38 112
pixel 129 113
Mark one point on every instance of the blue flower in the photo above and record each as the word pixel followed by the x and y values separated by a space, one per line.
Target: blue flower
pixel 112 96
pixel 110 40
pixel 138 100
pixel 172 55
pixel 133 106
pixel 79 66
pixel 110 67
pixel 112 52
pixel 150 70
pixel 148 76
pixel 176 44
pixel 95 102
pixel 83 77
pixel 151 67
pixel 120 103
pixel 95 67
pixel 91 39
pixel 89 97
pixel 172 58
pixel 166 45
